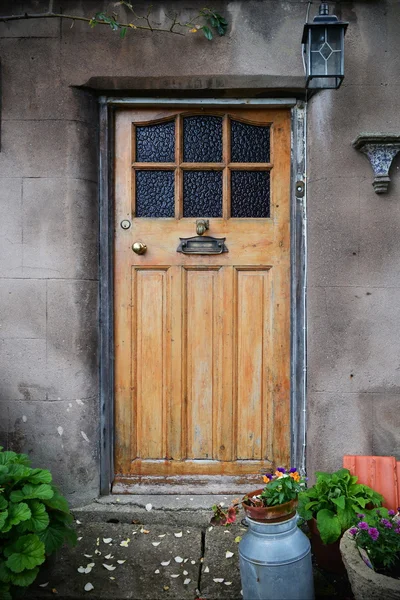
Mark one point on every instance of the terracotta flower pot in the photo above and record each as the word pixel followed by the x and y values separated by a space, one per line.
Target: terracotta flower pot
pixel 328 556
pixel 365 583
pixel 270 514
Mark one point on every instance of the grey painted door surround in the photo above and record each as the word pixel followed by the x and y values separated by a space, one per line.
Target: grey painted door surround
pixel 298 267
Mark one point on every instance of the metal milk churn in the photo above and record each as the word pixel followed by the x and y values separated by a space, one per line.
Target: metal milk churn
pixel 275 562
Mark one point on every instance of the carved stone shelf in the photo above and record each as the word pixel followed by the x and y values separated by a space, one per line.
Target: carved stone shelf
pixel 381 148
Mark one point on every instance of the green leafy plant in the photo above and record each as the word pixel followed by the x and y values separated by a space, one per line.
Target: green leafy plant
pixel 34 521
pixel 334 502
pixel 378 533
pixel 206 20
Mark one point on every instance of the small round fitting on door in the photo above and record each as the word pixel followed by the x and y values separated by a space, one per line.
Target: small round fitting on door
pixel 125 224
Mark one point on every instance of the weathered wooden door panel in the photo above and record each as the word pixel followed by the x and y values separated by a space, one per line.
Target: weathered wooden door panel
pixel 201 341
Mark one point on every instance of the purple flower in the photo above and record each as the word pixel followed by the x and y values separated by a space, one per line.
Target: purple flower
pixel 378 512
pixel 397 530
pixel 293 470
pixel 360 516
pixel 353 531
pixel 281 470
pixel 391 513
pixel 363 525
pixel 373 533
pixel 269 475
pixel 386 523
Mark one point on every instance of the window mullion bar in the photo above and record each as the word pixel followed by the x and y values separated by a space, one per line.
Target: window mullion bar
pixel 178 170
pixel 226 153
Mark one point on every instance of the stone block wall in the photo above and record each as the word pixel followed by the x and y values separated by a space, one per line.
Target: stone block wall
pixel 51 74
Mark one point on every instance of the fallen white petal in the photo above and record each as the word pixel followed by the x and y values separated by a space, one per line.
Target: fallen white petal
pixel 97 552
pixel 162 535
pixel 79 539
pixel 121 562
pixel 206 570
pixel 188 530
pixel 112 578
pixel 98 542
pixel 210 528
pixel 88 587
pixel 186 559
pixel 149 507
pixel 175 575
pixel 157 571
pixel 88 555
pixel 125 543
pixel 178 559
pixel 187 581
pixel 87 570
pixel 193 562
pixel 81 569
pixel 218 580
pixel 108 556
pixel 107 540
pixel 228 582
pixel 222 503
pixel 91 565
pixel 229 554
pixel 185 573
pixel 165 563
pixel 78 522
pixel 109 567
pixel 156 543
pixel 43 584
pixel 178 534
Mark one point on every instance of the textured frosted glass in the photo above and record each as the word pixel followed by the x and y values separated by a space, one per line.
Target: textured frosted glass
pixel 202 139
pixel 155 143
pixel 250 194
pixel 202 194
pixel 155 194
pixel 250 143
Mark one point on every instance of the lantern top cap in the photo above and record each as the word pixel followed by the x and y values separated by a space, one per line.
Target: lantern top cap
pixel 323 18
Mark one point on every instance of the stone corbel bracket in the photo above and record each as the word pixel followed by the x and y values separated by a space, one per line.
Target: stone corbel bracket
pixel 381 148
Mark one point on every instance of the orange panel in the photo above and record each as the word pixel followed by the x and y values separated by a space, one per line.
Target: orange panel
pixel 379 472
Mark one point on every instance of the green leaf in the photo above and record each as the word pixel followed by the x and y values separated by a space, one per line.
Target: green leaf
pixel 7 457
pixel 52 537
pixel 328 526
pixel 5 573
pixel 57 501
pixel 25 578
pixel 207 32
pixel 26 553
pixel 40 476
pixel 5 592
pixel 16 514
pixel 3 518
pixel 340 502
pixel 39 518
pixel 18 472
pixel 122 33
pixel 42 491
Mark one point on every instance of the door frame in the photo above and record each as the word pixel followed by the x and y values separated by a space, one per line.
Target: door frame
pixel 298 284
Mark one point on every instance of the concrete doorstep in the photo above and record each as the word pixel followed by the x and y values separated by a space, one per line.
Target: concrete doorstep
pixel 154 548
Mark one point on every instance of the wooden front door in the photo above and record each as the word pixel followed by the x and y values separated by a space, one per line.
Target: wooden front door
pixel 202 341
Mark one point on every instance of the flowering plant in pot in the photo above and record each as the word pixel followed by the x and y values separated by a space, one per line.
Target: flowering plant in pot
pixel 330 508
pixel 277 500
pixel 371 554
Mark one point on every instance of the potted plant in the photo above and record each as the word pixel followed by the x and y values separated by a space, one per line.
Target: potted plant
pixel 371 554
pixel 34 521
pixel 330 507
pixel 274 552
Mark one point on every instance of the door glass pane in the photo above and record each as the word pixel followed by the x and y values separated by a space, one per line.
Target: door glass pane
pixel 202 139
pixel 250 194
pixel 250 143
pixel 202 194
pixel 155 194
pixel 155 143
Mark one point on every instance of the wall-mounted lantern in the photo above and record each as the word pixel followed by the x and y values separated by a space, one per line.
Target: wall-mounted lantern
pixel 323 47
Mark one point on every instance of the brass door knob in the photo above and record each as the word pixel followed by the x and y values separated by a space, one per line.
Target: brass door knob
pixel 139 248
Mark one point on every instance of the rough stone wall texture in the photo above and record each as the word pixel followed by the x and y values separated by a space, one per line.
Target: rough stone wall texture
pixel 48 229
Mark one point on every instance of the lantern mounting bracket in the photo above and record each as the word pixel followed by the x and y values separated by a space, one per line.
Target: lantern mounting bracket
pixel 381 148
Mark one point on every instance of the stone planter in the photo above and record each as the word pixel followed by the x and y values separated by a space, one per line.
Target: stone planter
pixel 365 583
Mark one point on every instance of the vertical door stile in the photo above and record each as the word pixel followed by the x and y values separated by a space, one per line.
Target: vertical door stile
pixel 174 386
